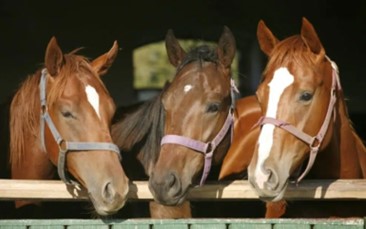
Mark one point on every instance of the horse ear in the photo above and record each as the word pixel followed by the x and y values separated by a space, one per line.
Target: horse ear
pixel 102 63
pixel 173 48
pixel 310 37
pixel 226 47
pixel 267 41
pixel 53 58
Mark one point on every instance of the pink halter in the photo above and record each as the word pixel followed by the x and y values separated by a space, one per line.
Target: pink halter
pixel 202 147
pixel 314 142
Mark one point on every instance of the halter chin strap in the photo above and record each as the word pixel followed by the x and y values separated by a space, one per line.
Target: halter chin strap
pixel 208 148
pixel 65 146
pixel 314 142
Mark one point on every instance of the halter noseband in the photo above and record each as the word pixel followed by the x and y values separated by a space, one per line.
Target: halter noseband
pixel 65 146
pixel 314 142
pixel 208 148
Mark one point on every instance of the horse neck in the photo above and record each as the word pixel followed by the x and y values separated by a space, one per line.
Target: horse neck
pixel 353 147
pixel 341 157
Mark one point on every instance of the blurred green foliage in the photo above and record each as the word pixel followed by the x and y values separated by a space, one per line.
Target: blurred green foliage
pixel 152 67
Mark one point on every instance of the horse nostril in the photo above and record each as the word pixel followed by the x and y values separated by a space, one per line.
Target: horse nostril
pixel 171 180
pixel 272 182
pixel 108 192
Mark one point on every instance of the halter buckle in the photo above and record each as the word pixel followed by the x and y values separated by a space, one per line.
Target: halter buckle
pixel 62 146
pixel 44 109
pixel 209 147
pixel 314 144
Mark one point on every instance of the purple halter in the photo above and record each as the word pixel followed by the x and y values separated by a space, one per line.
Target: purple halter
pixel 314 142
pixel 202 147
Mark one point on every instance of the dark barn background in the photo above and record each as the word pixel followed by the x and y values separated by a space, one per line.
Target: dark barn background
pixel 27 26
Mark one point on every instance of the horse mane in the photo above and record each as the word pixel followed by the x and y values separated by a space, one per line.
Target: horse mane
pixel 142 127
pixel 25 105
pixel 24 116
pixel 203 53
pixel 360 143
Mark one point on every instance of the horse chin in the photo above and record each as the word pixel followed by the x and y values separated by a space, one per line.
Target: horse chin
pixel 104 209
pixel 175 201
pixel 273 196
pixel 164 198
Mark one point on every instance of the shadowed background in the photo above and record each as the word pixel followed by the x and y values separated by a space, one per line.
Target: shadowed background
pixel 27 26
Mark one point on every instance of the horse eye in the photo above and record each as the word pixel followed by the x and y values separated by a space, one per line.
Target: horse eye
pixel 213 107
pixel 306 96
pixel 67 114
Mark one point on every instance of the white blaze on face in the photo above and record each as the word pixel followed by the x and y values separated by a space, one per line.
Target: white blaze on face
pixel 93 98
pixel 187 88
pixel 282 78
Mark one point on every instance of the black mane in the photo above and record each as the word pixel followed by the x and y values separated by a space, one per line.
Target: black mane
pixel 203 53
pixel 141 131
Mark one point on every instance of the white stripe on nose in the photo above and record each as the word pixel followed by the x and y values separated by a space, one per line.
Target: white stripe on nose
pixel 93 98
pixel 282 78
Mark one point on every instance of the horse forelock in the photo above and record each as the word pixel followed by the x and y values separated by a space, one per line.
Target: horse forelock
pixel 74 65
pixel 291 50
pixel 200 54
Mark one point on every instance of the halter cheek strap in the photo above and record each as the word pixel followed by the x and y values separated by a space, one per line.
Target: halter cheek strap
pixel 315 141
pixel 207 149
pixel 65 146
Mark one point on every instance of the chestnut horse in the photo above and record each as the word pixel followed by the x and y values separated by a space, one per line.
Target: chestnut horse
pixel 191 119
pixel 235 164
pixel 60 118
pixel 305 123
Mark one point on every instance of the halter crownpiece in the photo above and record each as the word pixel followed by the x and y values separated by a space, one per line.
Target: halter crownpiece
pixel 207 148
pixel 65 146
pixel 314 142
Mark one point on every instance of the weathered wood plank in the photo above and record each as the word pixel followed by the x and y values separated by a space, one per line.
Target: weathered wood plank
pixel 308 189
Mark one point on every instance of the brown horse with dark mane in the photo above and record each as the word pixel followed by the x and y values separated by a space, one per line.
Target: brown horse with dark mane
pixel 184 130
pixel 60 120
pixel 304 131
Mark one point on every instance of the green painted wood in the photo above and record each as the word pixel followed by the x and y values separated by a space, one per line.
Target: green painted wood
pixel 131 226
pixel 208 225
pixel 45 227
pixel 12 227
pixel 291 226
pixel 339 226
pixel 170 226
pixel 250 226
pixel 86 226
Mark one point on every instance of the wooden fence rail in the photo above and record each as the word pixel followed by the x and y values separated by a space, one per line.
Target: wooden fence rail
pixel 307 189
